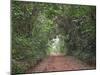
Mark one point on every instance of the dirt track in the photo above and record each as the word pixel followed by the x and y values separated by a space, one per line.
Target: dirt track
pixel 59 63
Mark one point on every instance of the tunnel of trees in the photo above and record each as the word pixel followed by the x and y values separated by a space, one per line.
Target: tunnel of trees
pixel 36 26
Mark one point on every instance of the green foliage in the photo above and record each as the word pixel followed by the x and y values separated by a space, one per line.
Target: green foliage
pixel 30 36
pixel 19 67
pixel 82 38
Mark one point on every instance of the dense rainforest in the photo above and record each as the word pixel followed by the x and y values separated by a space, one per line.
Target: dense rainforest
pixel 35 26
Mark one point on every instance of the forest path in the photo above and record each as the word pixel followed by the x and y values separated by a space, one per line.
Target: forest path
pixel 59 63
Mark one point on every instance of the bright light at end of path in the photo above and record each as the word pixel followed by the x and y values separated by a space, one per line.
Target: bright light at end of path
pixel 55 46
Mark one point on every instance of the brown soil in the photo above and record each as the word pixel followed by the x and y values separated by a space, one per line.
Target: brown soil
pixel 59 63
